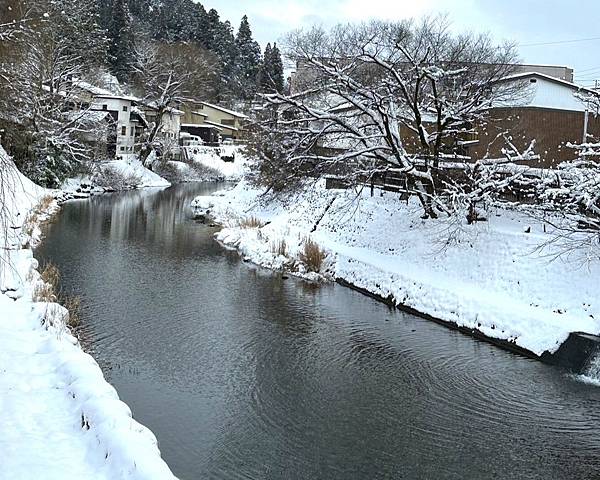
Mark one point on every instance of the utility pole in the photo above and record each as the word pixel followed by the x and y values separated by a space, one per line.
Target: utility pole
pixel 585 123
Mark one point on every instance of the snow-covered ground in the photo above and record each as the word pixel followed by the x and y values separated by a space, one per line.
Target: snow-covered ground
pixel 210 158
pixel 114 175
pixel 491 276
pixel 59 418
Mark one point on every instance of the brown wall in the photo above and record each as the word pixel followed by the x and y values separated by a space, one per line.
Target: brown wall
pixel 552 130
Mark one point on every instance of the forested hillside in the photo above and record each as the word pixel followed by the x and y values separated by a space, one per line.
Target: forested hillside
pixel 162 52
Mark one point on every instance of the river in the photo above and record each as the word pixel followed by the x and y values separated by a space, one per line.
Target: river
pixel 241 373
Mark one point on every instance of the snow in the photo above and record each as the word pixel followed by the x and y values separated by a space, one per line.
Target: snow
pixel 212 158
pixel 59 418
pixel 133 168
pixel 111 176
pixel 492 276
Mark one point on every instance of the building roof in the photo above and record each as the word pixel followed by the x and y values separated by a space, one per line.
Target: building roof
pixel 221 126
pixel 549 92
pixel 564 83
pixel 202 125
pixel 153 106
pixel 101 92
pixel 225 110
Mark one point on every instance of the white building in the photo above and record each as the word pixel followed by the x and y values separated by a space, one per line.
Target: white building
pixel 126 122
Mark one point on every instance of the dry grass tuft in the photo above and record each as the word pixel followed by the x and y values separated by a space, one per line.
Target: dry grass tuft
pixel 46 290
pixel 312 255
pixel 45 203
pixel 279 247
pixel 250 222
pixel 73 305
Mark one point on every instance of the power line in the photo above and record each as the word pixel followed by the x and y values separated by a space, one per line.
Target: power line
pixel 559 42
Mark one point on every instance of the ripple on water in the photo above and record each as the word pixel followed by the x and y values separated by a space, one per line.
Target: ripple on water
pixel 243 375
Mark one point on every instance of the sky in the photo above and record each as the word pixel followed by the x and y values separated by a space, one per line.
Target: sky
pixel 525 22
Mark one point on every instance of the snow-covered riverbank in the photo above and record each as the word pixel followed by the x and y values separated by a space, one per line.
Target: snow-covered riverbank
pixel 59 418
pixel 490 277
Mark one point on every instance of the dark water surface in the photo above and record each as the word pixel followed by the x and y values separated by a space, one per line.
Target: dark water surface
pixel 241 374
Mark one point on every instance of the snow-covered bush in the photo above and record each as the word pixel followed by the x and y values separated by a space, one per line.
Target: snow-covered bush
pixel 572 197
pixel 112 179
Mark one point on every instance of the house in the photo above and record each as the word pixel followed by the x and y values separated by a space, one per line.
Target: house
pixel 211 122
pixel 551 111
pixel 194 122
pixel 127 123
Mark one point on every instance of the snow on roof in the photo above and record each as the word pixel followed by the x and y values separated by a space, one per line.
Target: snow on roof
pixel 221 126
pixel 572 86
pixel 102 92
pixel 222 109
pixel 202 125
pixel 550 93
pixel 153 106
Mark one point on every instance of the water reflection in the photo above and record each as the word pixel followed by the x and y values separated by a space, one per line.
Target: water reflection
pixel 242 374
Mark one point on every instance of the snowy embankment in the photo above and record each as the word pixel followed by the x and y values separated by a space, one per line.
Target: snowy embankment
pixel 490 277
pixel 115 175
pixel 59 418
pixel 212 160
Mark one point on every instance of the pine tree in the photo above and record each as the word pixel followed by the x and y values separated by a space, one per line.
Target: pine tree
pixel 270 77
pixel 248 60
pixel 277 69
pixel 264 72
pixel 121 40
pixel 78 25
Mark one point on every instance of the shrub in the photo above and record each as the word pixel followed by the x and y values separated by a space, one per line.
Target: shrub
pixel 45 291
pixel 312 255
pixel 279 247
pixel 250 222
pixel 73 305
pixel 44 203
pixel 111 179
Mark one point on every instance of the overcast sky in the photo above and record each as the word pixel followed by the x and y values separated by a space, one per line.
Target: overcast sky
pixel 524 21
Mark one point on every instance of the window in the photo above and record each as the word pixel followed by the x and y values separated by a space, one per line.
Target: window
pixel 124 108
pixel 122 149
pixel 104 107
pixel 225 121
pixel 123 130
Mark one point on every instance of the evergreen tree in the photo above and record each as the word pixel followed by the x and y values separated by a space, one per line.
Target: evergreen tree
pixel 270 77
pixel 121 45
pixel 78 25
pixel 277 69
pixel 248 60
pixel 264 71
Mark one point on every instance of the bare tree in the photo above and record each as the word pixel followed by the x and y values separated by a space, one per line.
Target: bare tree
pixel 167 74
pixel 48 129
pixel 382 97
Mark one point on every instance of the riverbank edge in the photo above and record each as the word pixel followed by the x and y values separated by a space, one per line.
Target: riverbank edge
pixel 129 449
pixel 573 353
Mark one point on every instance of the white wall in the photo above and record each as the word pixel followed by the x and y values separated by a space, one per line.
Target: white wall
pixel 545 93
pixel 125 143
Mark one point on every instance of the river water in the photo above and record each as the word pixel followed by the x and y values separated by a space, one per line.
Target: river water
pixel 243 374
